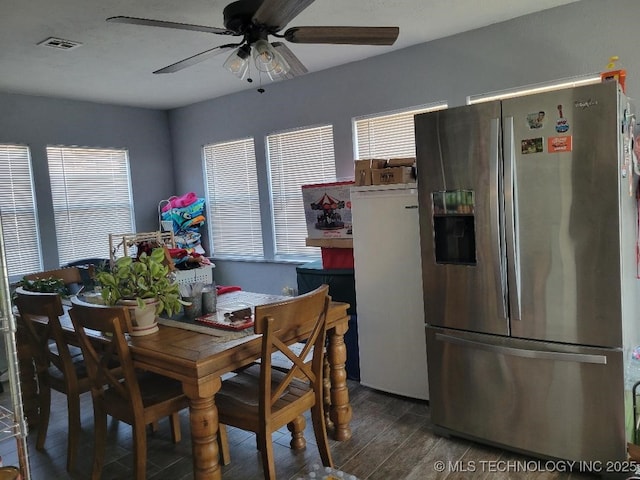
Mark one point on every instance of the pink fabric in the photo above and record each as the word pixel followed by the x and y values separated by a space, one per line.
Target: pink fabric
pixel 226 289
pixel 180 202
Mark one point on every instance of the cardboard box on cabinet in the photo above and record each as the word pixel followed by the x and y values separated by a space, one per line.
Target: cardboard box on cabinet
pixel 327 209
pixel 401 162
pixel 363 170
pixel 387 176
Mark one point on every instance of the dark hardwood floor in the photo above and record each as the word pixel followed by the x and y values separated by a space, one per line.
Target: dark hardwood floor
pixel 392 440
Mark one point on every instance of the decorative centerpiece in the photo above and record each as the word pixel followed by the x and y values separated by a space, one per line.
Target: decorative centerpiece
pixel 144 286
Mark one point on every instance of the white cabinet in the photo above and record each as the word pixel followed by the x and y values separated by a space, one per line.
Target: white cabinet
pixel 388 275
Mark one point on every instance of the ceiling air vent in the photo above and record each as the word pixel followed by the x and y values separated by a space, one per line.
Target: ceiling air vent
pixel 59 43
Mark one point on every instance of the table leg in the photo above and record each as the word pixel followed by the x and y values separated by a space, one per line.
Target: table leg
pixel 203 418
pixel 340 410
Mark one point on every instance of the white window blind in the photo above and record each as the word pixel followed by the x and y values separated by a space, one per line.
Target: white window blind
pixel 297 158
pixel 91 193
pixel 389 135
pixel 232 197
pixel 18 211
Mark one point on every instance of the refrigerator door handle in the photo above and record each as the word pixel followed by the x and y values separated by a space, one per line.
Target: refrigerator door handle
pixel 511 219
pixel 495 209
pixel 524 353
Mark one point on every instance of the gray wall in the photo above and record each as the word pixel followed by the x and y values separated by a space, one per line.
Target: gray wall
pixel 572 40
pixel 39 122
pixel 575 39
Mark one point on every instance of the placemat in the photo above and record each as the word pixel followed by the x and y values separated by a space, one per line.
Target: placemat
pixel 214 320
pixel 221 335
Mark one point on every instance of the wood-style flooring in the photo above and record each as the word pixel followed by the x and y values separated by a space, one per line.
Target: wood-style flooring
pixel 392 440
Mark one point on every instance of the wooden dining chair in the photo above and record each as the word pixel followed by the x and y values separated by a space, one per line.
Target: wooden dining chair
pixel 263 399
pixel 138 399
pixel 58 366
pixel 71 277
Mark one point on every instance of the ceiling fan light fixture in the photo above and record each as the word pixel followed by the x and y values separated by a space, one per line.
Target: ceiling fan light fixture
pixel 238 62
pixel 269 60
pixel 255 21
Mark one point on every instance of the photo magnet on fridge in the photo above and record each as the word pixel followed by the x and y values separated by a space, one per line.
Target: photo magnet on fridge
pixel 536 120
pixel 532 145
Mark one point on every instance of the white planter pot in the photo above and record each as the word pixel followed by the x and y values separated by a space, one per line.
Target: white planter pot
pixel 144 320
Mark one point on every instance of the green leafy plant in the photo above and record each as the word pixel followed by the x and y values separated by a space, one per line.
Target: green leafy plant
pixel 141 279
pixel 45 285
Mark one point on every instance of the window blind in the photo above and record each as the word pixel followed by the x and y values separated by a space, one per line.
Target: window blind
pixel 389 135
pixel 18 211
pixel 232 198
pixel 91 194
pixel 297 158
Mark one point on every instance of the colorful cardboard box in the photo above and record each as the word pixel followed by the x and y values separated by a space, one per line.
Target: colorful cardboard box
pixel 327 209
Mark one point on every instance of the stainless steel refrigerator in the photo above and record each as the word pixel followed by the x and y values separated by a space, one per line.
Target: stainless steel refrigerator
pixel 528 234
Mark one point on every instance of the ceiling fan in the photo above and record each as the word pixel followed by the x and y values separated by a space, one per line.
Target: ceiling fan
pixel 255 21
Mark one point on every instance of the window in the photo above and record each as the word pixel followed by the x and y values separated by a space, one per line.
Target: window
pixel 232 198
pixel 297 158
pixel 391 135
pixel 91 193
pixel 18 211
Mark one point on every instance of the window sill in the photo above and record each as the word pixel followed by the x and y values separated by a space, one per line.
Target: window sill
pixel 282 261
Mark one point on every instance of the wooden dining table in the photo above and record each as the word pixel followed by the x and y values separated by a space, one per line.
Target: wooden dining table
pixel 198 356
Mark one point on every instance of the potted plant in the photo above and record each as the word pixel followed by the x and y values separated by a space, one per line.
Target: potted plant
pixel 45 285
pixel 144 286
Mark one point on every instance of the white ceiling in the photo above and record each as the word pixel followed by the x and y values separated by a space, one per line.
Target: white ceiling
pixel 115 61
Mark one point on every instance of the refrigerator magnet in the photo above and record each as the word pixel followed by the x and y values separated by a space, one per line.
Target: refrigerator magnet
pixel 559 144
pixel 536 120
pixel 531 145
pixel 562 125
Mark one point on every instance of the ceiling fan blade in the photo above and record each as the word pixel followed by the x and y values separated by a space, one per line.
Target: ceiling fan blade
pixel 296 67
pixel 276 14
pixel 176 25
pixel 343 35
pixel 187 62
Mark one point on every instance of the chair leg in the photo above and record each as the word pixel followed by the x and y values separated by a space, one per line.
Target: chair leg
pixel 265 445
pixel 320 432
pixel 326 387
pixel 99 442
pixel 139 451
pixel 296 427
pixel 176 435
pixel 44 404
pixel 73 413
pixel 223 444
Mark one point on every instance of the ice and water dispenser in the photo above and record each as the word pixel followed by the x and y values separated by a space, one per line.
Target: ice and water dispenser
pixel 454 226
